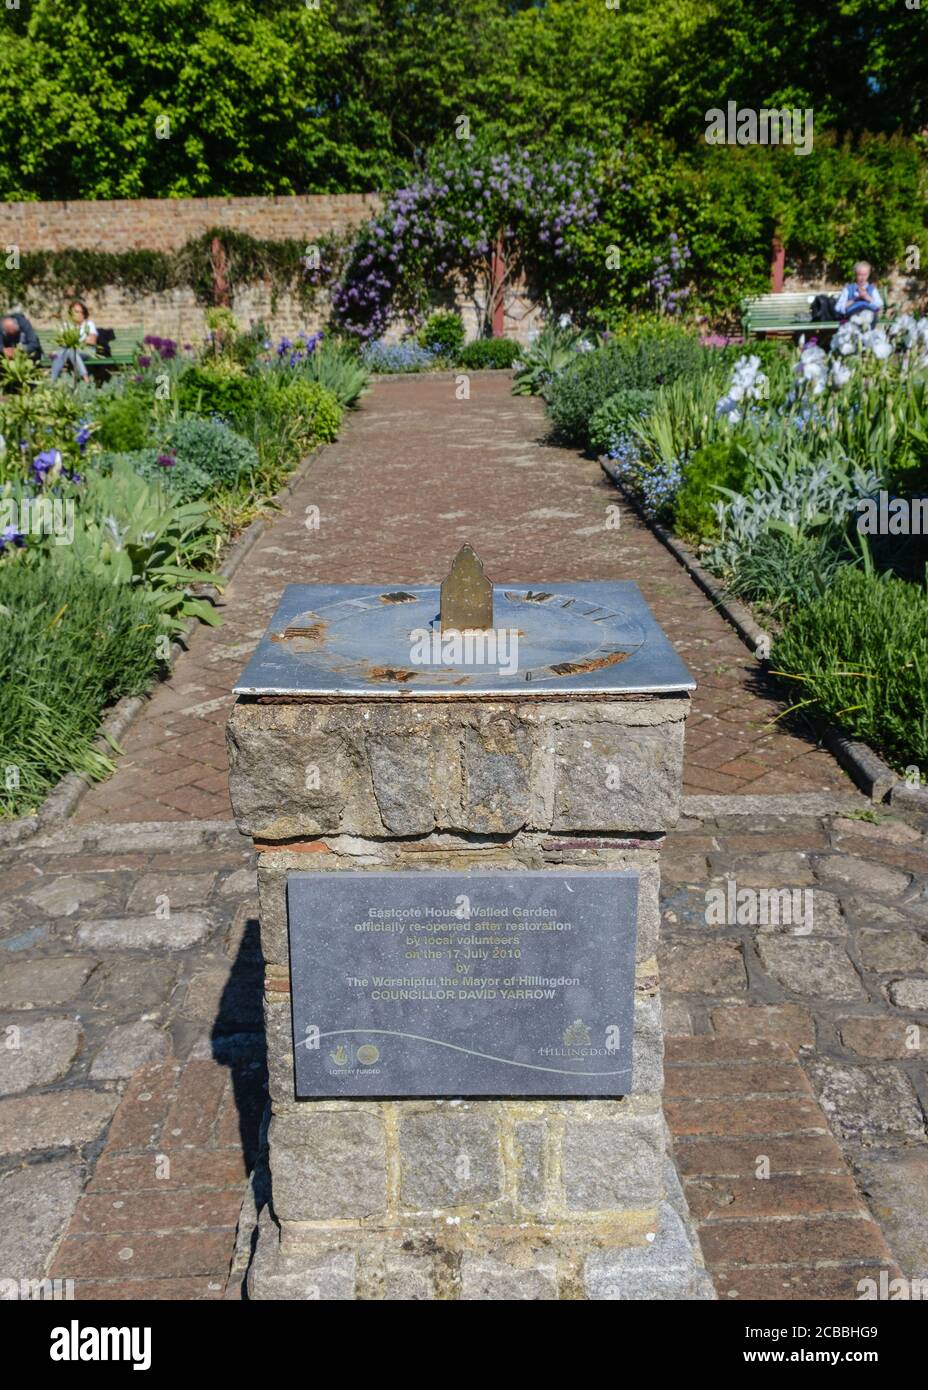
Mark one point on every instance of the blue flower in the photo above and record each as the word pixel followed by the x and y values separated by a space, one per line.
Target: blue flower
pixel 45 463
pixel 11 535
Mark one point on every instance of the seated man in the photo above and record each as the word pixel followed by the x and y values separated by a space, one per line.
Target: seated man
pixel 16 331
pixel 861 295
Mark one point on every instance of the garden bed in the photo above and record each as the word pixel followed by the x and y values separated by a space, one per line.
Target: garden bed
pixel 780 469
pixel 869 771
pixel 114 529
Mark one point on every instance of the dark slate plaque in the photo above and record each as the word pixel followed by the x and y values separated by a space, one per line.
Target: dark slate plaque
pixel 462 984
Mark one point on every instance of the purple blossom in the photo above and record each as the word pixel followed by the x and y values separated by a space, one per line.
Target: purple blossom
pixel 45 463
pixel 10 535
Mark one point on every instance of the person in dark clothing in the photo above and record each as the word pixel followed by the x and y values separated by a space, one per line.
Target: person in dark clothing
pixel 17 331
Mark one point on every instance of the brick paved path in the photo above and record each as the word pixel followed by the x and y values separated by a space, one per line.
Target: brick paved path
pixel 798 1231
pixel 415 473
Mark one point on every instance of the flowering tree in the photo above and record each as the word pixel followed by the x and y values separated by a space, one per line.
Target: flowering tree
pixel 474 217
pixel 670 292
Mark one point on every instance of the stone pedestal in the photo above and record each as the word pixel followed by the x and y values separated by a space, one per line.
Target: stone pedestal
pixel 506 1198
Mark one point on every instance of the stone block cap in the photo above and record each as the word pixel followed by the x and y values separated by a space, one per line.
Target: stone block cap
pixel 556 640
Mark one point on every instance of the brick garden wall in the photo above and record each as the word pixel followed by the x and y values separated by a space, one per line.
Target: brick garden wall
pixel 165 224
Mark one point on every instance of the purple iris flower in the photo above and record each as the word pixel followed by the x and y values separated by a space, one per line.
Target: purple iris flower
pixel 44 463
pixel 10 535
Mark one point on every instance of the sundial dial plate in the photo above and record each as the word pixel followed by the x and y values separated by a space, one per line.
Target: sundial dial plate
pixel 361 640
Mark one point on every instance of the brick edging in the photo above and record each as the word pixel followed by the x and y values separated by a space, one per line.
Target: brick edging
pixel 874 776
pixel 439 374
pixel 64 798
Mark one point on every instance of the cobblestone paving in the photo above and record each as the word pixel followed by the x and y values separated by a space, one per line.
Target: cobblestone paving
pixel 133 1072
pixel 415 474
pixel 796 1228
pixel 846 987
pixel 133 1078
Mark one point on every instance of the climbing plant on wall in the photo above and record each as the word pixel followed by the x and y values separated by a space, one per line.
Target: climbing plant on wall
pixel 286 265
pixel 477 215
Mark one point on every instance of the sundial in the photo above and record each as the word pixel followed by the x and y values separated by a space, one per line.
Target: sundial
pixel 464 954
pixel 465 637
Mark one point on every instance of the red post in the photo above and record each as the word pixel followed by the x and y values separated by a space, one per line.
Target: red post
pixel 496 293
pixel 218 265
pixel 777 266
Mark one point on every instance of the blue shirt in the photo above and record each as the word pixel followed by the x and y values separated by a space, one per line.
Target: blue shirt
pixel 849 299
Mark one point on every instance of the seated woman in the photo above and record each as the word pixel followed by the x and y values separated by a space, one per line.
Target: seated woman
pixel 88 337
pixel 860 295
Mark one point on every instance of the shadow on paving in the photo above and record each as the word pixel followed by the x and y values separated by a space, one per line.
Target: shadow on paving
pixel 239 1043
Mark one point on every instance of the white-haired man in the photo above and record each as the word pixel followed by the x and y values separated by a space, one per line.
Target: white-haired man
pixel 859 295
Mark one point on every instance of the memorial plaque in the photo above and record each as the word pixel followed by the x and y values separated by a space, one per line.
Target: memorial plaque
pixel 462 984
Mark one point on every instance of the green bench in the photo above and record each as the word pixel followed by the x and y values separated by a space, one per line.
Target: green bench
pixel 123 347
pixel 781 313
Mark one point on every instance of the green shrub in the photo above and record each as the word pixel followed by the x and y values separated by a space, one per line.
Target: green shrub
pixel 211 391
pixel 442 333
pixel 908 470
pixel 858 655
pixel 552 352
pixel 223 456
pixel 783 570
pixel 309 409
pixel 125 422
pixel 182 480
pixel 132 531
pixel 488 352
pixel 723 464
pixel 610 421
pixel 640 361
pixel 71 643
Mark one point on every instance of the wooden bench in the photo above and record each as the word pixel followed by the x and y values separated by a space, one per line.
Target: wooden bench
pixel 123 348
pixel 781 313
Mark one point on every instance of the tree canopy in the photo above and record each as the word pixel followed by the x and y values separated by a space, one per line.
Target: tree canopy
pixel 178 98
